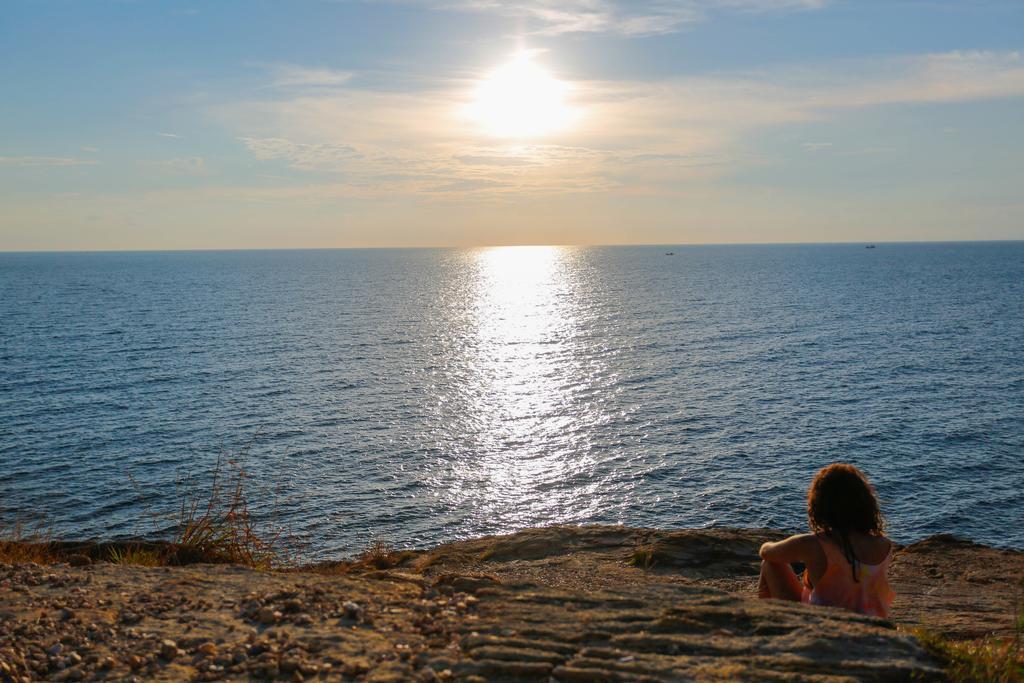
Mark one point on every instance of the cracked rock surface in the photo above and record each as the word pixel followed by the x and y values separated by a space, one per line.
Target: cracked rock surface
pixel 556 604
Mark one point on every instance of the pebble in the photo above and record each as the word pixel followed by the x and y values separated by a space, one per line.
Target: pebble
pixel 208 649
pixel 168 649
pixel 79 560
pixel 352 609
pixel 74 674
pixel 268 615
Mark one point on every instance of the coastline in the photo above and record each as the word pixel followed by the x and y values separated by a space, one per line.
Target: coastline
pixel 573 603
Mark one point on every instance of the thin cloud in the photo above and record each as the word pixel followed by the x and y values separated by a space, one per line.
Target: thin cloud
pixel 181 165
pixel 624 17
pixel 638 136
pixel 170 135
pixel 325 156
pixel 46 161
pixel 294 76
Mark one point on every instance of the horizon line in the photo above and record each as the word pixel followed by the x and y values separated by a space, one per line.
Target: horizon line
pixel 678 245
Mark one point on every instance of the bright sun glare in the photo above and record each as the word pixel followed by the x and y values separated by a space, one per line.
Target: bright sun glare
pixel 521 100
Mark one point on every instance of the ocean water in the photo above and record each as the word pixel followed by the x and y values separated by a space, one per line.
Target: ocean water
pixel 420 396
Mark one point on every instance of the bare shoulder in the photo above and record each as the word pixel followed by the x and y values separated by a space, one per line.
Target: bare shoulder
pixel 804 540
pixel 796 548
pixel 871 548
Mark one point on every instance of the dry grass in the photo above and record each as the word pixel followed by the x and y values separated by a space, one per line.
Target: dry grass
pixel 213 525
pixel 382 555
pixel 985 660
pixel 988 660
pixel 20 543
pixel 217 526
pixel 379 555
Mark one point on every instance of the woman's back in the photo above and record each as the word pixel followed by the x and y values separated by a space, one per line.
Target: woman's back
pixel 863 587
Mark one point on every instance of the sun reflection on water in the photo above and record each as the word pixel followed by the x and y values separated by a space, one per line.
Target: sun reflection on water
pixel 526 375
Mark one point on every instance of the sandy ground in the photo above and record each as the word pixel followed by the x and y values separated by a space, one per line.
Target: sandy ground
pixel 561 603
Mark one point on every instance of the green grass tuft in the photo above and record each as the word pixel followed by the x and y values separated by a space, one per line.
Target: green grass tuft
pixel 643 557
pixel 136 556
pixel 984 660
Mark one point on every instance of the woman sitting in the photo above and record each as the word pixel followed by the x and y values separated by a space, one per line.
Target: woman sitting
pixel 845 557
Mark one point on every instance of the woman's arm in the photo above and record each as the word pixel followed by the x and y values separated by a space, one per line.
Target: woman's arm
pixel 799 548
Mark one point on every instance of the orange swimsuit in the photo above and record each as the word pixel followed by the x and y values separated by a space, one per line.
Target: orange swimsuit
pixel 870 594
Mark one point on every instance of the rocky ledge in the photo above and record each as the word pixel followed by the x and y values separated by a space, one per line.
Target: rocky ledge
pixel 559 603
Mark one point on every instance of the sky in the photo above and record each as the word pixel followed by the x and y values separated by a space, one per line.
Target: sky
pixel 334 123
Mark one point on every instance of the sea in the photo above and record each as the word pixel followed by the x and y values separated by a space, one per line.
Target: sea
pixel 425 395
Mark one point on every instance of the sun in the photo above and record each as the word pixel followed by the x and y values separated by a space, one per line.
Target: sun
pixel 520 99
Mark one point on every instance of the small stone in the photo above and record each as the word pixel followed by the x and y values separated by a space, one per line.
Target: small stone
pixel 208 649
pixel 267 615
pixel 74 674
pixel 107 663
pixel 79 560
pixel 55 650
pixel 293 606
pixel 168 649
pixel 352 609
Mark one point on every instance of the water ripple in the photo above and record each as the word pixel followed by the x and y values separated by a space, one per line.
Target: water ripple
pixel 428 395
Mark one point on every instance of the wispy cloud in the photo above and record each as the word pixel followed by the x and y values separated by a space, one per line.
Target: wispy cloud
pixel 636 136
pixel 180 165
pixel 169 135
pixel 46 161
pixel 325 156
pixel 294 76
pixel 626 17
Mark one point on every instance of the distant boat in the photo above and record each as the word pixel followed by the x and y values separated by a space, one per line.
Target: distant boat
pixel 870 246
pixel 670 253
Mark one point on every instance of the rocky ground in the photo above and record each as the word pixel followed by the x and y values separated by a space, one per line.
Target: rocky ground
pixel 561 603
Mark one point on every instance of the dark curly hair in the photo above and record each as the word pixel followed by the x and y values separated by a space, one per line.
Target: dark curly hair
pixel 840 500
